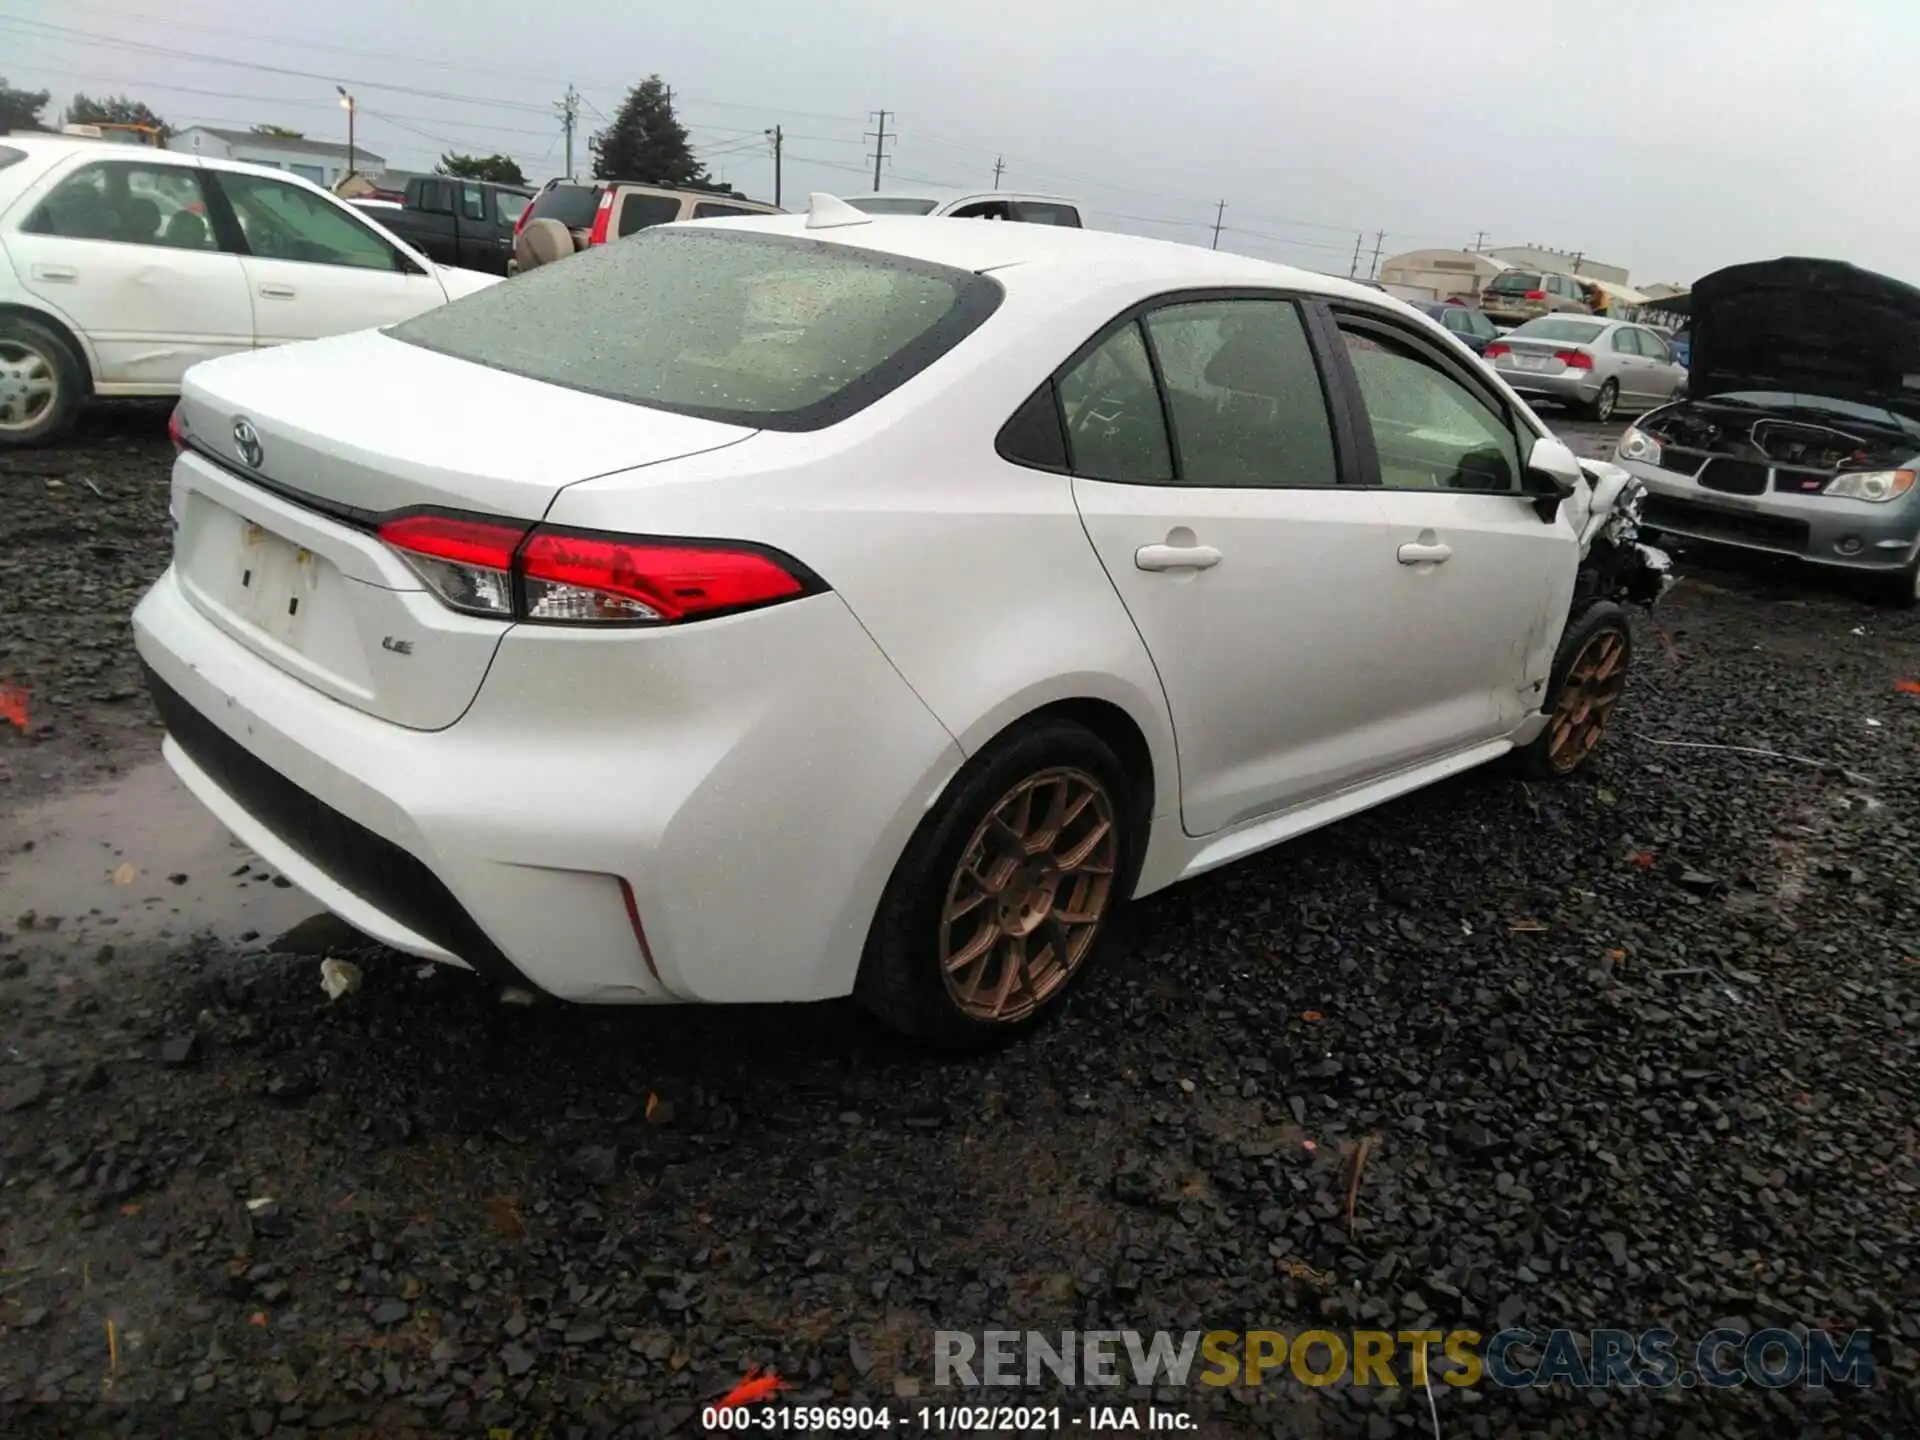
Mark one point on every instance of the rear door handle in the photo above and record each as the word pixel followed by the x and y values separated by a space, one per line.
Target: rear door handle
pixel 1176 557
pixel 1424 554
pixel 55 272
pixel 277 292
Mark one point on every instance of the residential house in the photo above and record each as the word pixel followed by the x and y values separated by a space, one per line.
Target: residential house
pixel 320 161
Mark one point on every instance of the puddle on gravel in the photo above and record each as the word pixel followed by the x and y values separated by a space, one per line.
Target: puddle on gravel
pixel 131 862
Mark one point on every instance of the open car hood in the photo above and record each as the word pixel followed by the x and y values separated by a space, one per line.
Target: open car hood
pixel 1809 327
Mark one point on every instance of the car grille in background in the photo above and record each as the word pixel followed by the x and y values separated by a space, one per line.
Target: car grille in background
pixel 1704 523
pixel 1735 477
pixel 1678 462
pixel 375 869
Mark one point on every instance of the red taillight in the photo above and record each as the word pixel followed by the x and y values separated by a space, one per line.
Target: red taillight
pixel 503 570
pixel 571 576
pixel 177 430
pixel 525 215
pixel 467 563
pixel 1497 349
pixel 1575 359
pixel 602 218
pixel 1536 294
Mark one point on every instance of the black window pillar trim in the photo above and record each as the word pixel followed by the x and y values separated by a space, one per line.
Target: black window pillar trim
pixel 1354 450
pixel 1176 467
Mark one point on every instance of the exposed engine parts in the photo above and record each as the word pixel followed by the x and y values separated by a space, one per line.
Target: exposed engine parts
pixel 1614 563
pixel 1731 431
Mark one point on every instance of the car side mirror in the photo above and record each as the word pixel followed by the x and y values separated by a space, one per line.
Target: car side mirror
pixel 1552 474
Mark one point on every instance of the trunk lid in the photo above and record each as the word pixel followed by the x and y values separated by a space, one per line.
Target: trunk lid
pixel 274 539
pixel 1807 327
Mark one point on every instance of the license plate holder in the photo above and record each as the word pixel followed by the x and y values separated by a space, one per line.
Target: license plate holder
pixel 274 583
pixel 1529 362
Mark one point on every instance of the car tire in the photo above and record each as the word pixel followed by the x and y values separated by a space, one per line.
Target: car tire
pixel 971 880
pixel 42 383
pixel 1589 672
pixel 1601 407
pixel 1902 588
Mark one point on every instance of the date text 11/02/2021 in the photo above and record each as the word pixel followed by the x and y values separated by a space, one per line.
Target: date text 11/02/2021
pixel 948 1419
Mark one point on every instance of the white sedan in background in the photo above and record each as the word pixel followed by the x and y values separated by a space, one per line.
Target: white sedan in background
pixel 777 609
pixel 120 267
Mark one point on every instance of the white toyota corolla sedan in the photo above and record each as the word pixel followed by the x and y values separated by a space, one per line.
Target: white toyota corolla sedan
pixel 780 609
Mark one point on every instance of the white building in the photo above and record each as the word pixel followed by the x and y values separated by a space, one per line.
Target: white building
pixel 1560 262
pixel 1436 274
pixel 320 161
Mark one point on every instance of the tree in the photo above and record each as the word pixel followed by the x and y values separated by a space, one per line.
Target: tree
pixel 646 142
pixel 501 169
pixel 115 110
pixel 20 109
pixel 277 132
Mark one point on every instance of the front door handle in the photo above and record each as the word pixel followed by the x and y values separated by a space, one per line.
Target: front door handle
pixel 1424 554
pixel 55 272
pixel 277 292
pixel 1176 557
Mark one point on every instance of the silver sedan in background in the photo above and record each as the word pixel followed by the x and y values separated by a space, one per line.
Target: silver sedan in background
pixel 1594 365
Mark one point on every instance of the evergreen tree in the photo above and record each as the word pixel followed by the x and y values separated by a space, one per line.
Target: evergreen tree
pixel 501 169
pixel 646 142
pixel 115 110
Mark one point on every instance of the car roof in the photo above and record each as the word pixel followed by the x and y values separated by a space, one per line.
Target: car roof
pixel 954 197
pixel 1085 260
pixel 61 146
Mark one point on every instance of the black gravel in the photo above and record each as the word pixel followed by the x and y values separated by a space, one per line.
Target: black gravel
pixel 1635 1051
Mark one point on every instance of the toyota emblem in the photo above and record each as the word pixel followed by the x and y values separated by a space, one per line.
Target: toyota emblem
pixel 247 440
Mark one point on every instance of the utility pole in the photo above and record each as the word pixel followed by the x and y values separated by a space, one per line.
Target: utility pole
pixel 999 164
pixel 879 138
pixel 1359 239
pixel 569 111
pixel 1479 241
pixel 1373 270
pixel 347 101
pixel 1219 210
pixel 778 137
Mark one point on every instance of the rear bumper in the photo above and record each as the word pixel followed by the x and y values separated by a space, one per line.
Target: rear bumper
pixel 754 806
pixel 1850 534
pixel 1580 387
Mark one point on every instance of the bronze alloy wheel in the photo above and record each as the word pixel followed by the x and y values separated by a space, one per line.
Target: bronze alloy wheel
pixel 1028 895
pixel 1593 684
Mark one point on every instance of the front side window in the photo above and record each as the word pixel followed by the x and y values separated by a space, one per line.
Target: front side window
pixel 1248 408
pixel 285 222
pixel 507 206
pixel 1430 430
pixel 727 324
pixel 642 212
pixel 127 203
pixel 1653 347
pixel 1110 406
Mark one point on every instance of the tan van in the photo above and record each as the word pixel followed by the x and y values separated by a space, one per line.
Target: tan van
pixel 568 216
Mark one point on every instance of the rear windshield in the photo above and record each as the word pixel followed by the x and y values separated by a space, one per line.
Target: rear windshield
pixel 891 205
pixel 1550 327
pixel 571 205
pixel 729 325
pixel 1513 284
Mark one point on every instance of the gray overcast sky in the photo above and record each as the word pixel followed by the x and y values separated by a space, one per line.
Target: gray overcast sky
pixel 1671 139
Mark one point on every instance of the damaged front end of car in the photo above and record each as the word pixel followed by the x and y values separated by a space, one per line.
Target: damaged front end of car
pixel 1615 564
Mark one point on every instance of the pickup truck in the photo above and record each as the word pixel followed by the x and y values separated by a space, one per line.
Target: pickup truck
pixel 466 223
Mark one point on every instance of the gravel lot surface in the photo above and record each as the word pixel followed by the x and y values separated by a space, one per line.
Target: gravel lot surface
pixel 1636 1051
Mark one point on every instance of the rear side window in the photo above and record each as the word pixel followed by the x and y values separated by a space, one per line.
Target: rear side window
pixel 1245 394
pixel 725 324
pixel 571 205
pixel 1116 429
pixel 1045 212
pixel 713 210
pixel 643 212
